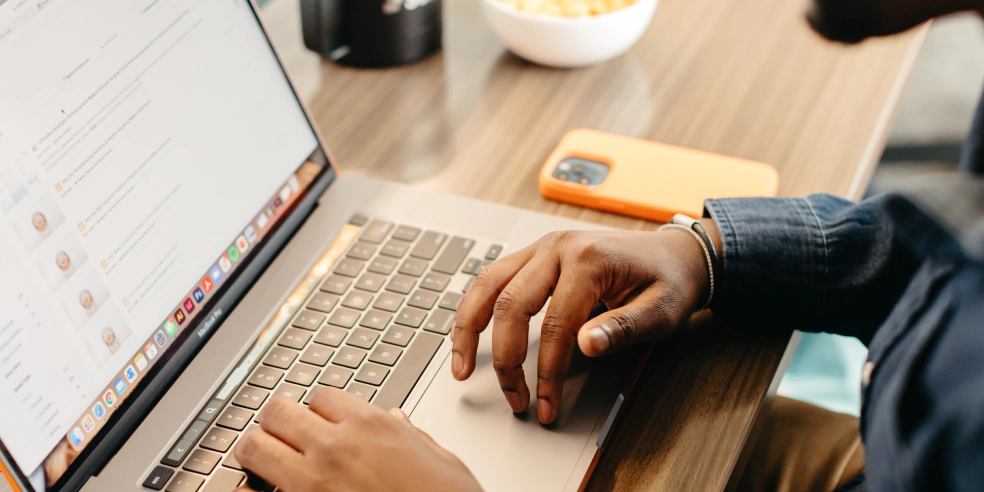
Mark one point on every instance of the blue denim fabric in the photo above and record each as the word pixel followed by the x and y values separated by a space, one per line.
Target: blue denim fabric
pixel 903 274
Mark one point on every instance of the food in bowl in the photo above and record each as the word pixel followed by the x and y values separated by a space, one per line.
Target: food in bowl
pixel 569 8
pixel 562 41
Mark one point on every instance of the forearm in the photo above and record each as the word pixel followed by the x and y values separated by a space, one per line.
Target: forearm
pixel 818 263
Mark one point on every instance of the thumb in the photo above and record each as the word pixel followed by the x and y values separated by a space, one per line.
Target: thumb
pixel 651 316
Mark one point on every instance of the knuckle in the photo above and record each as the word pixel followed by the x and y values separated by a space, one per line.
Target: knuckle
pixel 505 304
pixel 588 251
pixel 552 329
pixel 624 326
pixel 503 367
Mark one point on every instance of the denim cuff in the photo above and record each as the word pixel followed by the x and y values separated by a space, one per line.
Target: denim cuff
pixel 774 257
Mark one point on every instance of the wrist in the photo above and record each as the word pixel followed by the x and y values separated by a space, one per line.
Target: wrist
pixel 690 255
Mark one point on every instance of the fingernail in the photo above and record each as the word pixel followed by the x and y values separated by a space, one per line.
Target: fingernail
pixel 456 363
pixel 544 411
pixel 515 402
pixel 599 339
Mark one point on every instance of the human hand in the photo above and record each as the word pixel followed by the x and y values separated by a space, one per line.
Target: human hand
pixel 650 281
pixel 340 443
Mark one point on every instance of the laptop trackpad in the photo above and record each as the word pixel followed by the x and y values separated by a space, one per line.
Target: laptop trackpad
pixel 509 451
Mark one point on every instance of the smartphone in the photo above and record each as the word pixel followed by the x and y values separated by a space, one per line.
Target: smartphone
pixel 647 179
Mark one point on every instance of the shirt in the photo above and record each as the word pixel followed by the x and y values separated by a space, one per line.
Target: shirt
pixel 904 273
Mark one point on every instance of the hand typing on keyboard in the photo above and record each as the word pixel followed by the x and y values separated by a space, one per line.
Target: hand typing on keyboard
pixel 340 442
pixel 650 281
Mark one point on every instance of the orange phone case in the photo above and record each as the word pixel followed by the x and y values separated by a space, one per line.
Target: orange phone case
pixel 653 180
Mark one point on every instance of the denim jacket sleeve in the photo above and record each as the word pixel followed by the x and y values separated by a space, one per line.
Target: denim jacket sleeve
pixel 821 263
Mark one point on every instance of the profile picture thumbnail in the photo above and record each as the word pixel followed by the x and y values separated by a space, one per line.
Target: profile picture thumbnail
pixel 83 295
pixel 60 257
pixel 105 335
pixel 38 221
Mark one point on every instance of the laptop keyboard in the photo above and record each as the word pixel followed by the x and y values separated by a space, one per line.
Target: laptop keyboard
pixel 372 328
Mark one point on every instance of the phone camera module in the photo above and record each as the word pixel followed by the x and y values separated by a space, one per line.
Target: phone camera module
pixel 581 171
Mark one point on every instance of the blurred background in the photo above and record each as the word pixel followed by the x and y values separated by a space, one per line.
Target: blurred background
pixel 934 117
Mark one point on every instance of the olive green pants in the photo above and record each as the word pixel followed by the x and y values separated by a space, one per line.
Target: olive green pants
pixel 803 448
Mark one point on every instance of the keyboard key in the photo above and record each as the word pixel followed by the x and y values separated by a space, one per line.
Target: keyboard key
pixel 410 317
pixel 456 251
pixel 388 301
pixel 358 219
pixel 195 431
pixel 406 233
pixel 302 374
pixel 400 284
pixel 363 338
pixel 471 266
pixel 234 418
pixel 294 338
pixel 357 300
pixel 382 265
pixel 385 355
pixel 290 391
pixel 376 319
pixel 310 394
pixel 211 410
pixel 231 462
pixel 372 374
pixel 178 453
pixel 423 299
pixel 376 231
pixel 345 318
pixel 219 439
pixel 185 482
pixel 309 320
pixel 371 282
pixel 361 251
pixel 224 481
pixel 335 376
pixel 317 355
pixel 398 335
pixel 202 461
pixel 436 281
pixel 429 243
pixel 440 321
pixel 349 357
pixel 395 249
pixel 266 377
pixel 450 301
pixel 484 264
pixel 158 477
pixel 331 336
pixel 349 268
pixel 250 397
pixel 335 284
pixel 494 251
pixel 413 267
pixel 322 302
pixel 280 357
pixel 405 376
pixel 365 393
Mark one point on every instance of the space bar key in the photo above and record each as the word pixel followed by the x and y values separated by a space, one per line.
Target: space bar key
pixel 415 360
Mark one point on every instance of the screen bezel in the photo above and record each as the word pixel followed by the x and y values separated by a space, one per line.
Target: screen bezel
pixel 162 375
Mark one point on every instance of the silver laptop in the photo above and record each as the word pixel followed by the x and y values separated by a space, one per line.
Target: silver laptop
pixel 176 249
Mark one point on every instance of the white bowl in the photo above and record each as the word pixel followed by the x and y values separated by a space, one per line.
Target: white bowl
pixel 568 41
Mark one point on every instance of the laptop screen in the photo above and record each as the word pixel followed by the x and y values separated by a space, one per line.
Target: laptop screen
pixel 147 150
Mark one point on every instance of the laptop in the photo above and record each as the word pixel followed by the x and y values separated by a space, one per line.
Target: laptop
pixel 177 247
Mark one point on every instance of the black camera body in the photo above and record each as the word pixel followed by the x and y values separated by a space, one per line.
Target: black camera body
pixel 372 33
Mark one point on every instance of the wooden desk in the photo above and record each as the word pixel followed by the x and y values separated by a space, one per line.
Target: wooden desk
pixel 744 78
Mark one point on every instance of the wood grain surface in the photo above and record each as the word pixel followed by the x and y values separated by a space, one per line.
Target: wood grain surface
pixel 745 78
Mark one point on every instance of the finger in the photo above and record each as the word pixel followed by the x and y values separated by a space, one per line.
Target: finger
pixel 269 458
pixel 475 309
pixel 574 297
pixel 292 423
pixel 652 315
pixel 336 405
pixel 519 301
